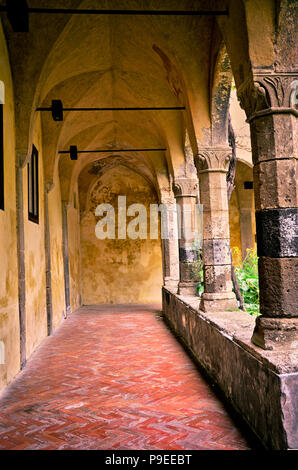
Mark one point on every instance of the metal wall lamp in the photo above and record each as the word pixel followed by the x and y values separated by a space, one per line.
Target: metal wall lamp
pixel 57 109
pixel 73 151
pixel 18 13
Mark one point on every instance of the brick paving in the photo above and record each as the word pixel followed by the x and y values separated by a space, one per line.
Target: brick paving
pixel 114 377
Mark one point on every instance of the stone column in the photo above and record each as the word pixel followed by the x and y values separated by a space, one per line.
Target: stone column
pixel 270 103
pixel 186 193
pixel 169 240
pixel 212 165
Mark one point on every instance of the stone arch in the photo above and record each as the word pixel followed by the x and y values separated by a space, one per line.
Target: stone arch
pixel 220 96
pixel 183 165
pixel 235 35
pixel 100 167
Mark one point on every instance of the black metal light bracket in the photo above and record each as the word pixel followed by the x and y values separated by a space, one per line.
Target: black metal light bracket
pixel 57 109
pixel 18 13
pixel 248 185
pixel 73 151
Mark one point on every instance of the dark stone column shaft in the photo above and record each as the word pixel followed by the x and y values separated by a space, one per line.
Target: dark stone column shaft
pixel 272 114
pixel 212 164
pixel 170 244
pixel 186 192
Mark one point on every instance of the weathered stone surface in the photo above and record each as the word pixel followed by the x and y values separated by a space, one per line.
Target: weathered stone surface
pixel 187 289
pixel 262 139
pixel 213 158
pixel 186 192
pixel 216 251
pixel 268 94
pixel 170 251
pixel 213 190
pixel 289 406
pixel 270 105
pixel 212 179
pixel 259 384
pixel 272 137
pixel 186 274
pixel 270 331
pixel 276 184
pixel 278 287
pixel 212 164
pixel 217 302
pixel 188 255
pixel 217 278
pixel 215 224
pixel 185 187
pixel 277 235
pixel 170 262
pixel 187 284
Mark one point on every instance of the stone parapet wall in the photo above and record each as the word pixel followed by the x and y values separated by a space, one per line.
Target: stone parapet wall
pixel 260 385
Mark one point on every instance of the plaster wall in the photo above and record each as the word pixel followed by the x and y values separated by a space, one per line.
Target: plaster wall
pixel 119 271
pixel 9 315
pixel 234 219
pixel 35 270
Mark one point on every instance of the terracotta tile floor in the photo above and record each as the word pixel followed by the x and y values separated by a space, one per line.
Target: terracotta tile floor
pixel 114 378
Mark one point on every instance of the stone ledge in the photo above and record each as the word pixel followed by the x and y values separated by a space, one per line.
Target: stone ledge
pixel 239 326
pixel 259 384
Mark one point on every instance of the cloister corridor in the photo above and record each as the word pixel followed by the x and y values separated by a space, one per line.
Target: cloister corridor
pixel 114 377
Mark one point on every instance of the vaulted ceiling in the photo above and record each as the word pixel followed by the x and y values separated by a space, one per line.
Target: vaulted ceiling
pixel 116 61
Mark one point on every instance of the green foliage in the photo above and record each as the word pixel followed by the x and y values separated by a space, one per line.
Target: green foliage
pixel 197 268
pixel 247 276
pixel 200 286
pixel 246 273
pixel 197 273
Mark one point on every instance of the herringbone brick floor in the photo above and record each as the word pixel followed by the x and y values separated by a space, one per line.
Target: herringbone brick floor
pixel 114 378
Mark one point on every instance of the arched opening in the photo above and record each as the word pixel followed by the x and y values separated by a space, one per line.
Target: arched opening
pixel 119 269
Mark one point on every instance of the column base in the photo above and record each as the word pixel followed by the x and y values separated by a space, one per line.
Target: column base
pixel 171 284
pixel 272 332
pixel 187 289
pixel 211 302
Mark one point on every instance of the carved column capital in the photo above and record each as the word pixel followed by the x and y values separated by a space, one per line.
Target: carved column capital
pixel 213 159
pixel 167 199
pixel 269 93
pixel 184 187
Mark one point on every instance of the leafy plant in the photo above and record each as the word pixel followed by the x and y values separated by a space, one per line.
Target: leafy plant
pixel 247 275
pixel 196 268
